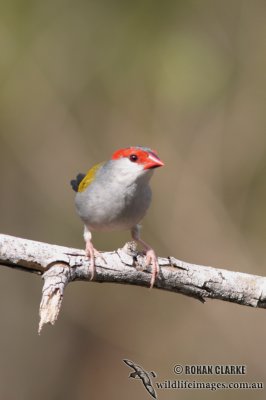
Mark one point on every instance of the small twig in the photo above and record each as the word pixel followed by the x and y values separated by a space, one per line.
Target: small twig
pixel 55 281
pixel 61 265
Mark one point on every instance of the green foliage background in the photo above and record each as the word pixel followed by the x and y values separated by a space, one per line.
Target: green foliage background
pixel 79 80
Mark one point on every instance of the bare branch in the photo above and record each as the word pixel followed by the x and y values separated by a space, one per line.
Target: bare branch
pixel 61 265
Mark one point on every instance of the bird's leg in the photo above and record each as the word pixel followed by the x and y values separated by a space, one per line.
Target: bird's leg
pixel 151 258
pixel 90 252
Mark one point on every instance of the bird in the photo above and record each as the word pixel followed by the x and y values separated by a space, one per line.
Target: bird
pixel 140 373
pixel 115 195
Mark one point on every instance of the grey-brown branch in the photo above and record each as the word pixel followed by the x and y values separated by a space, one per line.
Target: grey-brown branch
pixel 61 265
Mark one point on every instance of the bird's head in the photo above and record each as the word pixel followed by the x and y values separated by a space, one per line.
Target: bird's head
pixel 126 166
pixel 137 160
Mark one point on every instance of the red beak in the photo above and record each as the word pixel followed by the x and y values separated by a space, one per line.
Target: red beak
pixel 153 162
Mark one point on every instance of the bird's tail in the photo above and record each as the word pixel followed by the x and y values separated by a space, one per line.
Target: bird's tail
pixel 75 182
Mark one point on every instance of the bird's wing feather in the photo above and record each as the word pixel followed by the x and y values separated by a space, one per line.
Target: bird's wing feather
pixel 151 390
pixel 136 367
pixel 88 178
pixel 130 364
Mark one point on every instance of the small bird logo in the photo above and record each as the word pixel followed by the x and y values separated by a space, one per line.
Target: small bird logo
pixel 140 373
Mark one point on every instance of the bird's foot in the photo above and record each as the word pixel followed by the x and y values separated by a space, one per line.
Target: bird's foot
pixel 92 253
pixel 151 259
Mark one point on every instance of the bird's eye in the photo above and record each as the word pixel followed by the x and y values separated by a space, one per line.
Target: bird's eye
pixel 133 157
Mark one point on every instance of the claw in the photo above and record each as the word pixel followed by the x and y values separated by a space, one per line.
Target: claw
pixel 152 260
pixel 92 253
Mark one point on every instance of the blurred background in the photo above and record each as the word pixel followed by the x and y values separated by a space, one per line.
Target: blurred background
pixel 80 80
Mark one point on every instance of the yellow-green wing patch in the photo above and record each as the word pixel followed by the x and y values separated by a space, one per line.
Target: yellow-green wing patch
pixel 88 179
